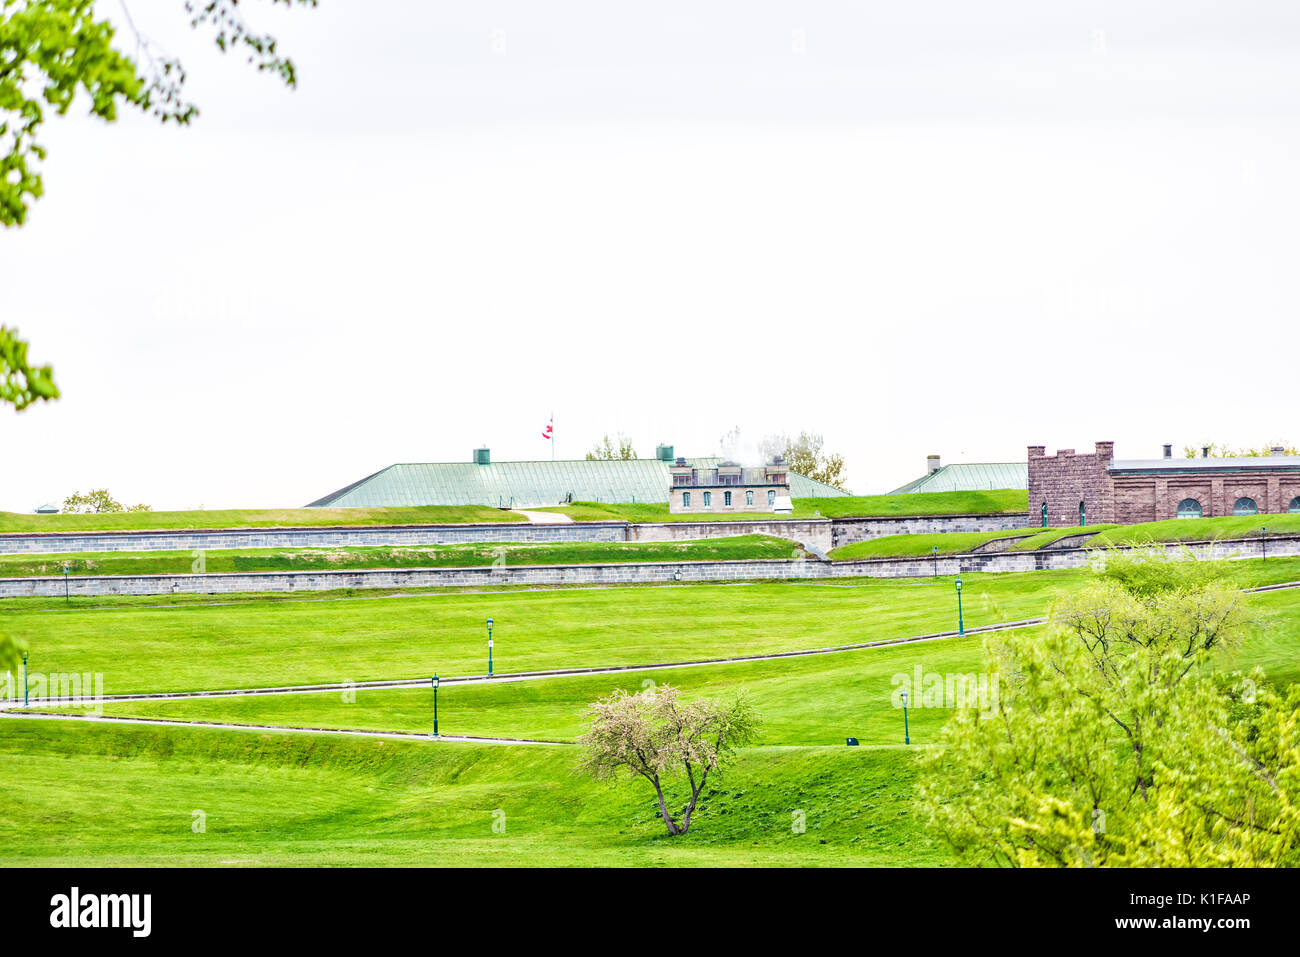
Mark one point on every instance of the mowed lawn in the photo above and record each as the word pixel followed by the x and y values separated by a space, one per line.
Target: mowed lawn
pixel 836 506
pixel 740 547
pixel 813 700
pixel 81 795
pixel 253 518
pixel 141 647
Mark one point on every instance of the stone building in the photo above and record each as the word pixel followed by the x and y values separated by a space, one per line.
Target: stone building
pixel 1091 488
pixel 730 487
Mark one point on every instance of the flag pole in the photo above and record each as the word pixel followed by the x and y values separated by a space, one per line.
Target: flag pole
pixel 552 436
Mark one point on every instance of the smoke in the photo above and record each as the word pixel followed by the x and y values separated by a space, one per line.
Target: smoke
pixel 738 447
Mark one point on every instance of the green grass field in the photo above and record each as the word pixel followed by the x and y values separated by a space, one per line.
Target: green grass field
pixel 811 701
pixel 254 518
pixel 421 556
pixel 1175 530
pixel 159 646
pixel 901 546
pixel 846 506
pixel 76 793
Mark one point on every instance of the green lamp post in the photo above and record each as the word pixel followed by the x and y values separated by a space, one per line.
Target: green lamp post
pixel 1263 541
pixel 66 600
pixel 435 705
pixel 934 550
pixel 961 625
pixel 906 737
pixel 24 679
pixel 489 627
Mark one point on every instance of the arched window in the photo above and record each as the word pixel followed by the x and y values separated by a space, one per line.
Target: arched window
pixel 1044 515
pixel 771 497
pixel 749 498
pixel 1083 514
pixel 708 499
pixel 686 500
pixel 1189 508
pixel 726 499
pixel 1295 505
pixel 1245 506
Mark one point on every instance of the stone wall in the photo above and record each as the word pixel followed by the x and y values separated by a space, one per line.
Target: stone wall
pixel 819 534
pixel 815 533
pixel 612 574
pixel 846 531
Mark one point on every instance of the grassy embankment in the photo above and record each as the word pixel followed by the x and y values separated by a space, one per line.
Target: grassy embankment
pixel 848 506
pixel 1100 536
pixel 253 518
pixel 739 548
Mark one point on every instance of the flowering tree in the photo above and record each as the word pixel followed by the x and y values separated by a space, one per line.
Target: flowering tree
pixel 653 735
pixel 99 500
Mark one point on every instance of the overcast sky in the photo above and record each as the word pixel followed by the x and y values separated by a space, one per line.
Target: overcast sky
pixel 934 227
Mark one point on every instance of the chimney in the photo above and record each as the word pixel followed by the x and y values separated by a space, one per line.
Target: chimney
pixel 1205 451
pixel 1169 451
pixel 1277 450
pixel 931 464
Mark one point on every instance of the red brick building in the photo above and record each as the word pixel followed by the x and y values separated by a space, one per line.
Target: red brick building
pixel 1093 488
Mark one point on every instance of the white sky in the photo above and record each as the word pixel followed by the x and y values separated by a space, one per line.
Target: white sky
pixel 916 228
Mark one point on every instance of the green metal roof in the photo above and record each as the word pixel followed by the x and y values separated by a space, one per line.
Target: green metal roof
pixel 528 484
pixel 975 477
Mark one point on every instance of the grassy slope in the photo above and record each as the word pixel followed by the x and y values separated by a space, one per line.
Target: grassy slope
pixel 1199 529
pixel 112 796
pixel 926 503
pixel 432 556
pixel 123 795
pixel 1175 530
pixel 162 646
pixel 896 546
pixel 254 518
pixel 817 700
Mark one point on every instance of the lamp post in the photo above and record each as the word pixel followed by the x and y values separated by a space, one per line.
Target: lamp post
pixel 489 626
pixel 66 599
pixel 24 679
pixel 935 552
pixel 961 625
pixel 1263 541
pixel 906 737
pixel 435 706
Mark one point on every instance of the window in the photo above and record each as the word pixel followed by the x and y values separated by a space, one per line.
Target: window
pixel 771 500
pixel 1245 506
pixel 749 498
pixel 708 499
pixel 1044 515
pixel 1189 508
pixel 726 499
pixel 686 500
pixel 1295 505
pixel 1083 515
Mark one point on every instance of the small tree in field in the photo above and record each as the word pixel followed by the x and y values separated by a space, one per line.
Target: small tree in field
pixel 99 500
pixel 652 734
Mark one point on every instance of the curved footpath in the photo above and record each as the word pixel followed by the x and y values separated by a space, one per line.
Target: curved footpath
pixel 614 573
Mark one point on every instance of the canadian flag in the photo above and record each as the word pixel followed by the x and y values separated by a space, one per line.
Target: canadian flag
pixel 550 428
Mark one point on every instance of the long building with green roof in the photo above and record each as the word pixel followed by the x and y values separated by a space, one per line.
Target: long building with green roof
pixel 530 484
